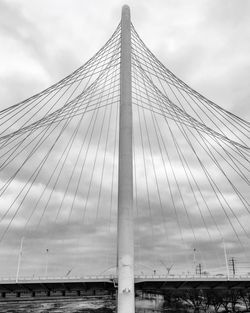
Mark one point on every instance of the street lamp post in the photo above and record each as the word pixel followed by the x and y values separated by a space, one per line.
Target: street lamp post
pixel 194 260
pixel 19 259
pixel 47 261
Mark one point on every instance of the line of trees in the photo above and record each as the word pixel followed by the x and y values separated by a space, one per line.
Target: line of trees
pixel 215 300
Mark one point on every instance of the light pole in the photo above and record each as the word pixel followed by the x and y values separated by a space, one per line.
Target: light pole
pixel 19 259
pixel 194 260
pixel 225 254
pixel 47 261
pixel 168 269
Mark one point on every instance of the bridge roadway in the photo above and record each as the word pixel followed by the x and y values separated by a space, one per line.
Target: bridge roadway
pixel 27 287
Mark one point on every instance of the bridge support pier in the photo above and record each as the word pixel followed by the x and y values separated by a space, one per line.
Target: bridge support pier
pixel 125 229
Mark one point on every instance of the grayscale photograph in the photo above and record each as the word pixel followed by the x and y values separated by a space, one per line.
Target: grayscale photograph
pixel 124 156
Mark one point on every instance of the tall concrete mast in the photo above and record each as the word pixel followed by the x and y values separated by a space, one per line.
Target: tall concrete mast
pixel 125 243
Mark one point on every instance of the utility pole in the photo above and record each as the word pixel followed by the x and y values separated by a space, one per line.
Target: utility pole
pixel 198 269
pixel 19 259
pixel 232 264
pixel 125 231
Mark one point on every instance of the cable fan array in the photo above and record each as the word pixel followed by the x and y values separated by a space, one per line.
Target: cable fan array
pixel 194 173
pixel 58 165
pixel 59 168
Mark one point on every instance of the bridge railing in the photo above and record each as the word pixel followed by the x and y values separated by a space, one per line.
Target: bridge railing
pixel 190 277
pixel 54 278
pixel 114 277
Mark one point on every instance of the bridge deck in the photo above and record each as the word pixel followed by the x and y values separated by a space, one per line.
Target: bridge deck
pixel 106 285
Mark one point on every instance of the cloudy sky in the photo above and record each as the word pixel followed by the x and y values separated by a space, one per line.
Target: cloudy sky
pixel 205 43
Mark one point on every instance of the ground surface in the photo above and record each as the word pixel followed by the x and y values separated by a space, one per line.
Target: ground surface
pixel 72 306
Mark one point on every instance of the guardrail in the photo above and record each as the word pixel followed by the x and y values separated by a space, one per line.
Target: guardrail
pixel 193 276
pixel 51 278
pixel 114 277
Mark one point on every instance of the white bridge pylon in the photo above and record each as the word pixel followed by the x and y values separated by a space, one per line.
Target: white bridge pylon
pixel 125 228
